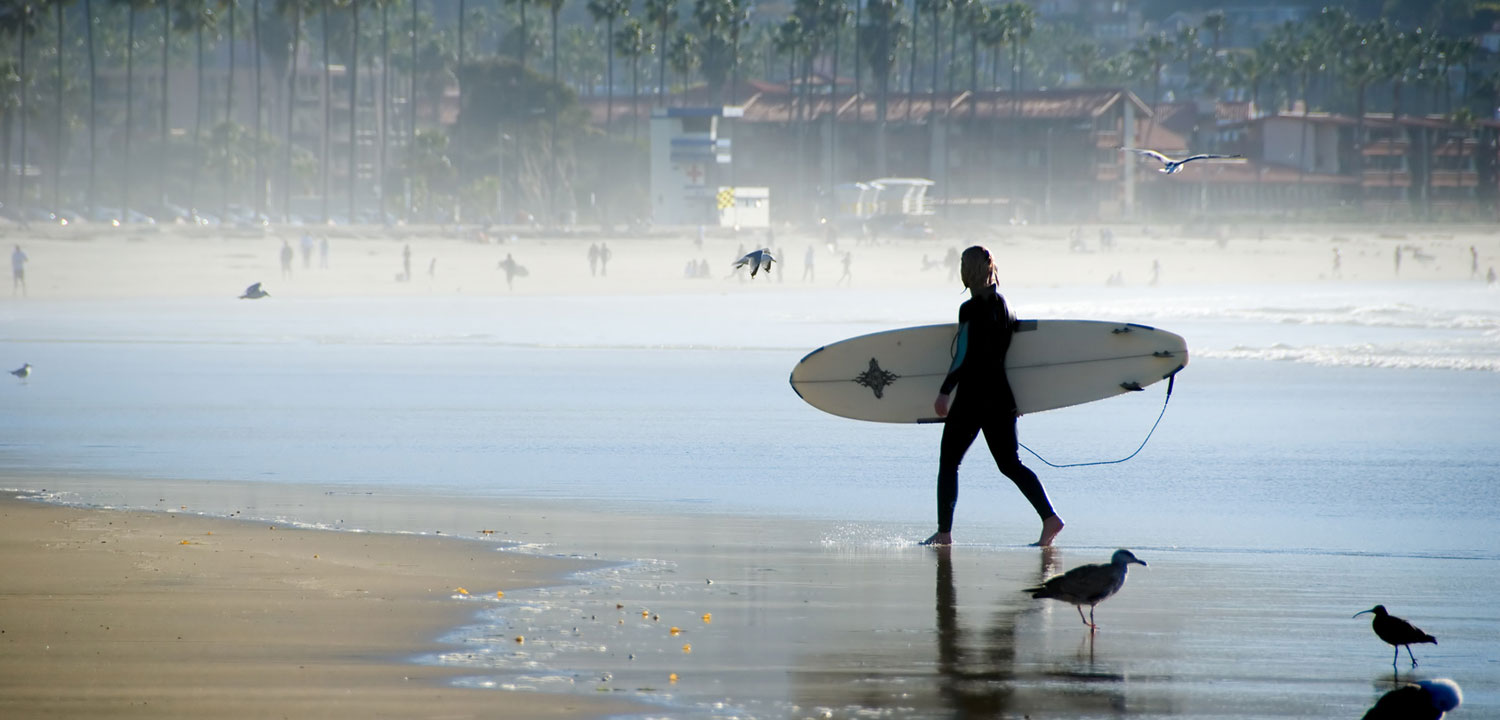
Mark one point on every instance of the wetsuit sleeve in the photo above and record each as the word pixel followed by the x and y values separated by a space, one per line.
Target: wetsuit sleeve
pixel 961 350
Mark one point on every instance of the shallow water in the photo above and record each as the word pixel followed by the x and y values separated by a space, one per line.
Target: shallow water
pixel 1327 449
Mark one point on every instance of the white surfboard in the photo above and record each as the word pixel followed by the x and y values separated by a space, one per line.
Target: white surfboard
pixel 894 376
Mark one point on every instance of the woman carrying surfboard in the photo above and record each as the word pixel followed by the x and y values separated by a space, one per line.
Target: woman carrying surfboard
pixel 986 403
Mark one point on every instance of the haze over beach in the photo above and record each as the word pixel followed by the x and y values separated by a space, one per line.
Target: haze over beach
pixel 1328 448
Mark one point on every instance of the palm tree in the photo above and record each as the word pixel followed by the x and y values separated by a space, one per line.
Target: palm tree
pixel 608 11
pixel 1154 52
pixel 352 72
pixel 228 109
pixel 19 21
pixel 662 15
pixel 631 43
pixel 721 21
pixel 295 7
pixel 682 57
pixel 935 7
pixel 1215 23
pixel 88 34
pixel 880 43
pixel 525 38
pixel 57 108
pixel 553 7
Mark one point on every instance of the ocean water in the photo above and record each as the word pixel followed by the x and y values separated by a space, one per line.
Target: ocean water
pixel 1329 447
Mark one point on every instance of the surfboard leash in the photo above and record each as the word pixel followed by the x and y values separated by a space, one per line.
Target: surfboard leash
pixel 1171 380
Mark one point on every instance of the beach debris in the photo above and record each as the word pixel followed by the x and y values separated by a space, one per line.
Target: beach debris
pixel 461 591
pixel 520 639
pixel 708 617
pixel 1397 632
pixel 757 260
pixel 676 630
pixel 1425 700
pixel 1171 166
pixel 22 372
pixel 499 594
pixel 687 647
pixel 486 532
pixel 1088 584
pixel 254 292
pixel 672 678
pixel 655 618
pixel 185 542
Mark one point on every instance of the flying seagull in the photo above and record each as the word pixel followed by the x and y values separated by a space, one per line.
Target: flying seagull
pixel 1088 584
pixel 758 260
pixel 22 372
pixel 1397 632
pixel 254 293
pixel 1425 700
pixel 1172 166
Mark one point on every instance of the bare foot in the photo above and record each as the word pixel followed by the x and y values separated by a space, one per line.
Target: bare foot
pixel 940 538
pixel 1050 528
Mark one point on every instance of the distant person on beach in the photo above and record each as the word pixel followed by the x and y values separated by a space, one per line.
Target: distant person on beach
pixel 604 255
pixel 1155 272
pixel 18 260
pixel 1473 262
pixel 512 269
pixel 593 259
pixel 1338 263
pixel 1489 277
pixel 406 263
pixel 950 261
pixel 286 259
pixel 323 252
pixel 1398 259
pixel 807 264
pixel 699 242
pixel 848 260
pixel 432 268
pixel 307 248
pixel 986 403
pixel 778 255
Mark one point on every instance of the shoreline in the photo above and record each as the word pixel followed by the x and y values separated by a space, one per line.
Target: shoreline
pixel 131 613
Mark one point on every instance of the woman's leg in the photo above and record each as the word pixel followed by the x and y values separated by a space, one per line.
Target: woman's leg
pixel 958 433
pixel 1000 435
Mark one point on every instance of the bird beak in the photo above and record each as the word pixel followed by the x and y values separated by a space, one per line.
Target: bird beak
pixel 1142 562
pixel 1361 612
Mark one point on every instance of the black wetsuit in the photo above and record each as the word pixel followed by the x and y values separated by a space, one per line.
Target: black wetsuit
pixel 985 403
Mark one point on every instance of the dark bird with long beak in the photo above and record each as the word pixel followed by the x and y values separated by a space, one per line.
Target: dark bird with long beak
pixel 1425 700
pixel 1088 584
pixel 1397 632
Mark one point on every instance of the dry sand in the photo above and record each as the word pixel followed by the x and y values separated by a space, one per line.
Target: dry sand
pixel 156 615
pixel 108 263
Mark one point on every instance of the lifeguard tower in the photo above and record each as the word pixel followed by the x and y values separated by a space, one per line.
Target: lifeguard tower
pixel 690 180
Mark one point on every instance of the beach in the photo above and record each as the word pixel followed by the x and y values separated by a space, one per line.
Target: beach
pixel 166 615
pixel 675 533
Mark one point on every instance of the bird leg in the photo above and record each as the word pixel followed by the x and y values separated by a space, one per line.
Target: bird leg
pixel 1408 654
pixel 1079 608
pixel 1092 626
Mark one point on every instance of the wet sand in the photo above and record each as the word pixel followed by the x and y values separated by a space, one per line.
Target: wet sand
pixel 162 615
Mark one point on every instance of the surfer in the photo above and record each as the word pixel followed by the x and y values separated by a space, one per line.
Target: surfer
pixel 987 403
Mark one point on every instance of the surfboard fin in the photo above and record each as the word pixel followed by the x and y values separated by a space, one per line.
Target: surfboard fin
pixel 1162 354
pixel 1132 386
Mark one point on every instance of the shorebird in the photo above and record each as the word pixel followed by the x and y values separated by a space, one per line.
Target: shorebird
pixel 22 372
pixel 254 293
pixel 1088 584
pixel 1397 632
pixel 1425 700
pixel 1171 166
pixel 758 260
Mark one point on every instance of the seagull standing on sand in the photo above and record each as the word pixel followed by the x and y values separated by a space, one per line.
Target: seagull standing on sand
pixel 22 372
pixel 1171 166
pixel 1088 584
pixel 1425 700
pixel 254 293
pixel 758 260
pixel 1397 632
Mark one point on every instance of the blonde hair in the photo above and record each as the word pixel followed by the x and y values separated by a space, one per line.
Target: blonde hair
pixel 977 268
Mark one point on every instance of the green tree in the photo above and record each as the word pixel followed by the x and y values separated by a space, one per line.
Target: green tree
pixel 631 43
pixel 682 57
pixel 880 41
pixel 607 12
pixel 661 15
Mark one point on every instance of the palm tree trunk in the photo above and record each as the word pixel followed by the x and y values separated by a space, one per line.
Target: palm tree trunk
pixel 609 75
pixel 23 32
pixel 833 114
pixel 228 111
pixel 197 113
pixel 57 114
pixel 129 113
pixel 260 182
pixel 661 72
pixel 353 73
pixel 911 72
pixel 385 104
pixel 411 108
pixel 327 98
pixel 552 141
pixel 458 157
pixel 88 34
pixel 858 87
pixel 161 153
pixel 291 107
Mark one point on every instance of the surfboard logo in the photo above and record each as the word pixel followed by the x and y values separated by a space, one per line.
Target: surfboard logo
pixel 876 378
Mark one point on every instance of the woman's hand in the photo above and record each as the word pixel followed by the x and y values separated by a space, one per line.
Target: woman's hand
pixel 940 406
